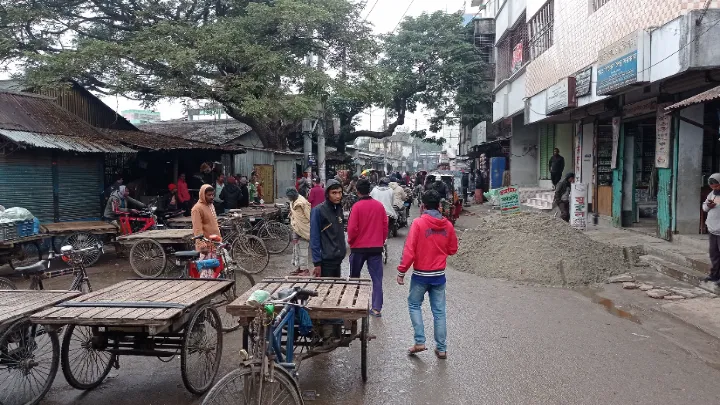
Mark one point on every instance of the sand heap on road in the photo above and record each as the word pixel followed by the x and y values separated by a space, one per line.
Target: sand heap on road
pixel 536 248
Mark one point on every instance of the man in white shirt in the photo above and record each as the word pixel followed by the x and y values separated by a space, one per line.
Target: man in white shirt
pixel 385 195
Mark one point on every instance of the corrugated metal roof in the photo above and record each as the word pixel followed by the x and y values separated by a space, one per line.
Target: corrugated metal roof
pixel 154 141
pixel 276 151
pixel 217 132
pixel 703 97
pixel 62 142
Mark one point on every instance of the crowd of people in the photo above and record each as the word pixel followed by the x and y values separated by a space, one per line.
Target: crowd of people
pixel 318 220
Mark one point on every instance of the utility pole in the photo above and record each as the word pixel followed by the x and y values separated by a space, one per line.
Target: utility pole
pixel 321 150
pixel 385 125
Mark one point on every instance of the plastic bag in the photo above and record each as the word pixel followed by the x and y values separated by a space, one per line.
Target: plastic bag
pixel 17 214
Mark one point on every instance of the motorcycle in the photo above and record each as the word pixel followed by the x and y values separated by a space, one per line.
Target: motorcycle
pixel 402 219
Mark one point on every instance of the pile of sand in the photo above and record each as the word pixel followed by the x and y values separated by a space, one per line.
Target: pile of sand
pixel 536 248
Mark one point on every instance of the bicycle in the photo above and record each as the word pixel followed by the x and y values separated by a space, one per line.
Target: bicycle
pixel 248 248
pixel 222 267
pixel 266 375
pixel 41 270
pixel 275 234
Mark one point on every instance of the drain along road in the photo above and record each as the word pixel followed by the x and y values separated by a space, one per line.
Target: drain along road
pixel 508 344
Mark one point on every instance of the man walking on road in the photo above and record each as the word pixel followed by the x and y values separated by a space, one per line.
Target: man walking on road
pixel 713 225
pixel 327 233
pixel 430 241
pixel 556 166
pixel 367 232
pixel 300 224
pixel 315 196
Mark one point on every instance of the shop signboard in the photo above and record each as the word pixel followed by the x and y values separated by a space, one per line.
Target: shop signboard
pixel 561 96
pixel 583 81
pixel 663 126
pixel 517 58
pixel 615 141
pixel 579 206
pixel 621 64
pixel 509 200
pixel 647 106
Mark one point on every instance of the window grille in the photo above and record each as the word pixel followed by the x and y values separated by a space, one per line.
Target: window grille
pixel 540 30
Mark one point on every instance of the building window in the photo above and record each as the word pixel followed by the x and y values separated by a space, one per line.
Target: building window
pixel 485 44
pixel 540 30
pixel 512 52
pixel 596 4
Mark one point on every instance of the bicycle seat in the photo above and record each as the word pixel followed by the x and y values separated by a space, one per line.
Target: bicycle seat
pixel 187 254
pixel 37 268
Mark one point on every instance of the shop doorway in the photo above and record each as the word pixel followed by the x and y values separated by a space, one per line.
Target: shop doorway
pixel 640 177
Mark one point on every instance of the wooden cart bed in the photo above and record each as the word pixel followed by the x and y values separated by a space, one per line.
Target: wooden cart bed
pixel 94 227
pixel 338 298
pixel 155 303
pixel 16 304
pixel 161 235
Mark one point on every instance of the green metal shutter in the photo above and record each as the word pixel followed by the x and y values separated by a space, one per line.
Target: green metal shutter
pixel 26 181
pixel 547 144
pixel 79 187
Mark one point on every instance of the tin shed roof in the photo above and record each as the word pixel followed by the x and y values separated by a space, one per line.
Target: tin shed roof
pixel 703 97
pixel 155 141
pixel 216 132
pixel 62 142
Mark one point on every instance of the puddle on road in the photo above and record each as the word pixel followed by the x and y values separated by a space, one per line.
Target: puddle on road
pixel 594 295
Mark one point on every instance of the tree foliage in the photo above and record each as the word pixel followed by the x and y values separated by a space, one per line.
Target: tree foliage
pixel 249 56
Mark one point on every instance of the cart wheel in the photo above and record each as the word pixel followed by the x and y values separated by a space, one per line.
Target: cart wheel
pixel 29 357
pixel 6 284
pixel 241 387
pixel 276 236
pixel 251 252
pixel 82 240
pixel 84 366
pixel 364 334
pixel 30 254
pixel 202 350
pixel 148 258
pixel 243 282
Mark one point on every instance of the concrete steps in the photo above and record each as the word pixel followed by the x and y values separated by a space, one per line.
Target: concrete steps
pixel 541 201
pixel 680 272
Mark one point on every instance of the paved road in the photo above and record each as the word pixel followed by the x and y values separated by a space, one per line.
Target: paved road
pixel 508 344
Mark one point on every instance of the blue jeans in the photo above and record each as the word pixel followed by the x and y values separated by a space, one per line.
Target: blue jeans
pixel 437 305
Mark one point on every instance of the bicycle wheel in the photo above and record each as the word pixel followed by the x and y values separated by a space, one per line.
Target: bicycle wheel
pixel 29 254
pixel 242 387
pixel 251 252
pixel 147 258
pixel 82 240
pixel 276 236
pixel 201 350
pixel 29 357
pixel 83 366
pixel 6 284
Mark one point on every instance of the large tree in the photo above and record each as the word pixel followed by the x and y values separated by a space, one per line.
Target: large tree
pixel 247 55
pixel 429 62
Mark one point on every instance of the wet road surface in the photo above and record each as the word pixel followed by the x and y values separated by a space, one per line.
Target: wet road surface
pixel 507 344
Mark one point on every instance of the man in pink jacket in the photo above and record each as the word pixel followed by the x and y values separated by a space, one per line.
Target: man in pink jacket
pixel 367 231
pixel 430 241
pixel 317 194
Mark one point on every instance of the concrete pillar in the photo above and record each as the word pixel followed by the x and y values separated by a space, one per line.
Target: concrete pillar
pixel 321 151
pixel 689 175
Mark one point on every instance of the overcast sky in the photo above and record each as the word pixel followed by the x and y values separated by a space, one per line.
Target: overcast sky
pixel 384 17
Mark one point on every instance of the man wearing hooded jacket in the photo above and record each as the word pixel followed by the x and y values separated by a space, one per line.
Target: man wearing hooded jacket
pixel 327 233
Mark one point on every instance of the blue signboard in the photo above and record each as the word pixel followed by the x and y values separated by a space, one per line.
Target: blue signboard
pixel 618 73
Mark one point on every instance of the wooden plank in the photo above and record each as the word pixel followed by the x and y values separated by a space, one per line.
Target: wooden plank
pixel 244 296
pixel 362 302
pixel 209 290
pixel 183 288
pixel 333 298
pixel 322 290
pixel 176 235
pixel 32 301
pixel 349 296
pixel 92 295
pixel 79 226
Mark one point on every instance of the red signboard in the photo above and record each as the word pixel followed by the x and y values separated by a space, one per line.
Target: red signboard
pixel 517 58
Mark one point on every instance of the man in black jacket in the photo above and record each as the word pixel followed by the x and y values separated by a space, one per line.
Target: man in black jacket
pixel 230 194
pixel 556 166
pixel 327 233
pixel 244 199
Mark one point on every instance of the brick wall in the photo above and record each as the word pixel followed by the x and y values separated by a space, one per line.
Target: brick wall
pixel 579 34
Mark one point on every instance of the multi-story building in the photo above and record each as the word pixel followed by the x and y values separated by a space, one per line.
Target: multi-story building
pixel 597 79
pixel 137 117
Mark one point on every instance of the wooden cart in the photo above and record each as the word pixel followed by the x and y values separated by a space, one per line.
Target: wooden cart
pixel 29 353
pixel 339 314
pixel 149 250
pixel 140 317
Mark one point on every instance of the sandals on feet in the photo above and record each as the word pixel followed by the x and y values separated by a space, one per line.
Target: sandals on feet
pixel 440 355
pixel 375 313
pixel 415 349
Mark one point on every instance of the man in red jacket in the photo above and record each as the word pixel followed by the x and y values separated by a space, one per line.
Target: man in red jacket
pixel 317 194
pixel 430 241
pixel 367 231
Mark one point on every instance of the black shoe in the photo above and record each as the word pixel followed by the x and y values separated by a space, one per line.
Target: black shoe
pixel 711 279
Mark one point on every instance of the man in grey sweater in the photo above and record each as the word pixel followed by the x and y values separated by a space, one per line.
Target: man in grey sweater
pixel 713 224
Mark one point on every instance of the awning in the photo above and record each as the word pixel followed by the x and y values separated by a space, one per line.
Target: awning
pixel 62 142
pixel 703 97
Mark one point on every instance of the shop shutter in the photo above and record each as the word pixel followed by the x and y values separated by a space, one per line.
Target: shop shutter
pixel 80 187
pixel 26 181
pixel 284 176
pixel 547 144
